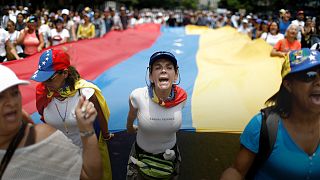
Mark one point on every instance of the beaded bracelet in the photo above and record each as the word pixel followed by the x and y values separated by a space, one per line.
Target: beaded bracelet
pixel 86 133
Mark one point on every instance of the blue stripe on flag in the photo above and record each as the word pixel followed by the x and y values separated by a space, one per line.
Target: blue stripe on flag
pixel 119 81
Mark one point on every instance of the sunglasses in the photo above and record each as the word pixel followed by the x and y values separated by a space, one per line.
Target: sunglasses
pixel 308 76
pixel 53 76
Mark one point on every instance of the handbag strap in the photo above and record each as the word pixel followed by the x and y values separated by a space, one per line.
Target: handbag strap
pixel 11 149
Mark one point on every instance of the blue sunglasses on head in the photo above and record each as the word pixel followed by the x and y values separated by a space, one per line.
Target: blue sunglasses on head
pixel 308 75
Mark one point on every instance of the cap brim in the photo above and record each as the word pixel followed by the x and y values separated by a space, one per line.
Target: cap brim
pixel 305 67
pixel 164 56
pixel 41 76
pixel 11 84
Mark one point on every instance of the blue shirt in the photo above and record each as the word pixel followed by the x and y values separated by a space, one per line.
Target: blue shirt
pixel 283 26
pixel 287 160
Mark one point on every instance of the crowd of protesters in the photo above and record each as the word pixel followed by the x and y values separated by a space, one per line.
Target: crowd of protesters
pixel 24 33
pixel 30 32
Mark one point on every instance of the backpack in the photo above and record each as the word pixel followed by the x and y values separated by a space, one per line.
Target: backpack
pixel 268 135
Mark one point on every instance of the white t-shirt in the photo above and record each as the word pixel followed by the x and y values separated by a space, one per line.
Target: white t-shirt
pixel 300 25
pixel 58 37
pixel 4 37
pixel 69 25
pixel 271 39
pixel 52 158
pixel 13 38
pixel 46 32
pixel 157 125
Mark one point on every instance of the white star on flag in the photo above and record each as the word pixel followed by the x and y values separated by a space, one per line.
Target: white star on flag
pixel 39 67
pixel 47 58
pixel 177 51
pixel 314 52
pixel 43 63
pixel 178 44
pixel 312 58
pixel 35 74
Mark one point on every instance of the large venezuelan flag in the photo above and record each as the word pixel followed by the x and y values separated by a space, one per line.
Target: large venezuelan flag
pixel 227 76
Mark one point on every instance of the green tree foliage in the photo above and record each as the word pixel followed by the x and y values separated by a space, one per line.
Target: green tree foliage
pixel 236 4
pixel 189 4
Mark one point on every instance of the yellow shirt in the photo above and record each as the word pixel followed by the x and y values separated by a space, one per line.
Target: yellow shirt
pixel 86 32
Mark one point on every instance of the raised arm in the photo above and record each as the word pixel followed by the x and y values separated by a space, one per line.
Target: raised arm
pixel 22 35
pixel 92 163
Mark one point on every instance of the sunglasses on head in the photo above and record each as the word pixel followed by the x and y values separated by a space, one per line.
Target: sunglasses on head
pixel 308 75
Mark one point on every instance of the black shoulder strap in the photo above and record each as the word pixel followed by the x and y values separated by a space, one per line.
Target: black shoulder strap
pixel 37 33
pixel 272 125
pixel 268 135
pixel 12 148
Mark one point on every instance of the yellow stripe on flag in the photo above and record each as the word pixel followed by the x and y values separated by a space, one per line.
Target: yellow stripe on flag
pixel 235 77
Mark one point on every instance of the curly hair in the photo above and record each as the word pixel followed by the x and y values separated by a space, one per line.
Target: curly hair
pixel 73 77
pixel 281 101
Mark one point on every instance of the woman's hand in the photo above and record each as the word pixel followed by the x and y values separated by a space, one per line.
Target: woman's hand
pixel 132 129
pixel 85 114
pixel 39 49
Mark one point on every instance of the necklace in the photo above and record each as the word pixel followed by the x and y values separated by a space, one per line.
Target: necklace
pixel 64 117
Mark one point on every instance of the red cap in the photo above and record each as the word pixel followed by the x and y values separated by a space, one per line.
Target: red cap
pixel 300 12
pixel 51 61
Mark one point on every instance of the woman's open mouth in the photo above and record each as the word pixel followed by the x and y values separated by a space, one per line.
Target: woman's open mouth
pixel 10 116
pixel 315 98
pixel 163 81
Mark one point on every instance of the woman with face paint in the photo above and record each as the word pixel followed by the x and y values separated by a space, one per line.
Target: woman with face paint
pixel 158 109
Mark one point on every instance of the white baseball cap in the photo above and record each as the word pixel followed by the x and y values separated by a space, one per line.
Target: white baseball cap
pixel 65 11
pixel 8 78
pixel 245 21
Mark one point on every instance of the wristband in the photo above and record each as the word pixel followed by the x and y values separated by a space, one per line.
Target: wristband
pixel 110 135
pixel 86 133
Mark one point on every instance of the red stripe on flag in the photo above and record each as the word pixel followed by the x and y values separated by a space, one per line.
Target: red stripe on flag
pixel 90 57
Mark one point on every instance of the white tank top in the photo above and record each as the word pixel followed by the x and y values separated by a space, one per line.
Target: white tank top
pixel 63 118
pixel 157 125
